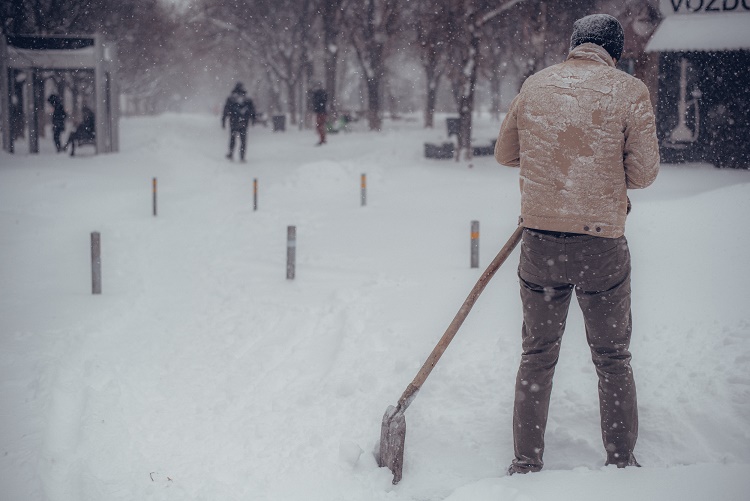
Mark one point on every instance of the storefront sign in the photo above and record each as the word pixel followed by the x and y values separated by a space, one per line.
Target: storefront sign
pixel 670 7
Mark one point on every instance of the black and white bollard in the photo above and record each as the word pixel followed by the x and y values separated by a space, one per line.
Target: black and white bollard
pixel 363 191
pixel 291 251
pixel 96 263
pixel 154 196
pixel 255 194
pixel 475 244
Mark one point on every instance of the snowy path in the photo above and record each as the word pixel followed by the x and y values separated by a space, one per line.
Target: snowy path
pixel 202 373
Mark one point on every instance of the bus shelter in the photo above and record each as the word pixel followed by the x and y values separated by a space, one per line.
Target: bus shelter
pixel 26 64
pixel 704 82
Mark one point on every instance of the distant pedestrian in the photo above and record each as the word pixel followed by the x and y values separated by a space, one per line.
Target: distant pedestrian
pixel 240 110
pixel 319 100
pixel 58 120
pixel 582 133
pixel 86 130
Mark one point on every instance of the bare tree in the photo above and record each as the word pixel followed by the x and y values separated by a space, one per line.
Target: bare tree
pixel 147 51
pixel 50 17
pixel 276 32
pixel 220 39
pixel 371 25
pixel 544 32
pixel 332 14
pixel 497 54
pixel 430 21
pixel 522 41
pixel 283 38
pixel 639 18
pixel 467 18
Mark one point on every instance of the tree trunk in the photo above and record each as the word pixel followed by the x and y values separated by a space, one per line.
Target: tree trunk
pixel 274 94
pixel 331 63
pixel 466 99
pixel 330 38
pixel 495 81
pixel 373 102
pixel 291 90
pixel 429 112
pixel 331 13
pixel 433 80
pixel 464 127
pixel 374 80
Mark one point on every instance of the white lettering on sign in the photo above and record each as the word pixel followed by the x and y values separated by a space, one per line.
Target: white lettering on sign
pixel 669 7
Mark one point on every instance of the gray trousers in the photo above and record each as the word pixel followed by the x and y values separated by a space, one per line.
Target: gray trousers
pixel 598 269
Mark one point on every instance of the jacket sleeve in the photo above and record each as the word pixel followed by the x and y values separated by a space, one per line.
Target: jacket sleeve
pixel 641 151
pixel 253 114
pixel 507 147
pixel 225 113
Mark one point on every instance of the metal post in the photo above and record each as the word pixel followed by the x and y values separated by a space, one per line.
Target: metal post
pixel 154 193
pixel 100 98
pixel 96 263
pixel 363 195
pixel 5 118
pixel 475 244
pixel 255 194
pixel 30 107
pixel 291 251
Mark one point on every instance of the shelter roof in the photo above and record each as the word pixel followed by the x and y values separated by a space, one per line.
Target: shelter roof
pixel 702 32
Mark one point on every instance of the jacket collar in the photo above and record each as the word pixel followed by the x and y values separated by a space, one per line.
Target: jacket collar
pixel 592 52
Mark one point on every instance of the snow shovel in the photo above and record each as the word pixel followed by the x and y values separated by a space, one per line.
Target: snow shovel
pixel 393 429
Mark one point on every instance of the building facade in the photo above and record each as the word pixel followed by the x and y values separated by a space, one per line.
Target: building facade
pixel 703 104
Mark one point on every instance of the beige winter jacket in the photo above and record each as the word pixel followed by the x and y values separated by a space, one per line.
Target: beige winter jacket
pixel 582 132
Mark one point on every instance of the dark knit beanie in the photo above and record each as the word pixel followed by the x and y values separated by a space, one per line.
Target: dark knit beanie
pixel 601 29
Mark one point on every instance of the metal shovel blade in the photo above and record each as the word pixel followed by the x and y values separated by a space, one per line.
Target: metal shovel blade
pixel 392 439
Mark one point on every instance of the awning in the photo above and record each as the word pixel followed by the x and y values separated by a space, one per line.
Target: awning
pixel 52 59
pixel 702 32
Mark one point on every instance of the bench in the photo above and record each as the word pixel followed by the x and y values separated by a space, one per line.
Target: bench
pixel 82 139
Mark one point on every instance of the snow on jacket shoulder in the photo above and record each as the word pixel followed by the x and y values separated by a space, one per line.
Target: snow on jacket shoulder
pixel 582 132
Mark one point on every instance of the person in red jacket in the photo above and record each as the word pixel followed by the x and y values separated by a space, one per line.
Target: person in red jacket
pixel 582 133
pixel 319 100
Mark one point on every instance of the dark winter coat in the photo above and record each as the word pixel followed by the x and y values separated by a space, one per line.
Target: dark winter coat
pixel 87 127
pixel 58 116
pixel 240 110
pixel 583 133
pixel 319 101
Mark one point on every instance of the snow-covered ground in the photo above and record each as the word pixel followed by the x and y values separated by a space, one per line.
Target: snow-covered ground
pixel 202 373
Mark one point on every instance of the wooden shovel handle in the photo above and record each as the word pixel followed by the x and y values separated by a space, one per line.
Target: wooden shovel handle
pixel 437 352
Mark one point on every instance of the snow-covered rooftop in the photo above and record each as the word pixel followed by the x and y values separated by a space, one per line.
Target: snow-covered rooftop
pixel 702 32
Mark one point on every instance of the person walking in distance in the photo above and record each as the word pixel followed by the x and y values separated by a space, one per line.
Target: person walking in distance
pixel 582 133
pixel 319 102
pixel 58 120
pixel 240 110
